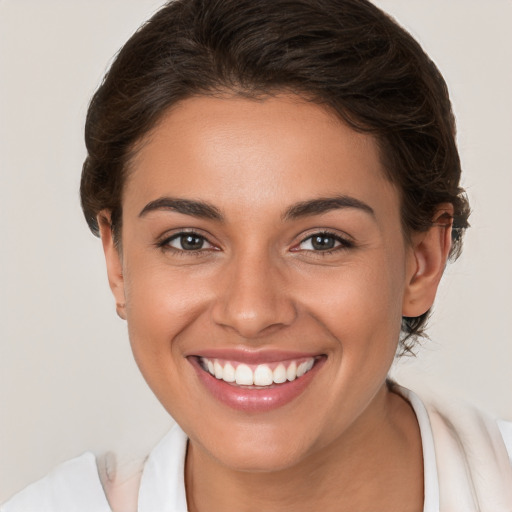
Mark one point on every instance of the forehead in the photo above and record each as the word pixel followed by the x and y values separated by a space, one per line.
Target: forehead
pixel 241 153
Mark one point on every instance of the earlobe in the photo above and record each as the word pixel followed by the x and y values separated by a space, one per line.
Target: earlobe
pixel 427 260
pixel 113 261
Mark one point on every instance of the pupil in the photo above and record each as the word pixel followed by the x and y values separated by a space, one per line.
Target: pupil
pixel 322 242
pixel 191 242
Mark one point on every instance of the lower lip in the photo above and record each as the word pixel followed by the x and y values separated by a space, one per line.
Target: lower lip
pixel 255 400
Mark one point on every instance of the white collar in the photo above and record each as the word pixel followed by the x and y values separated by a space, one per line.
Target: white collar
pixel 162 486
pixel 431 482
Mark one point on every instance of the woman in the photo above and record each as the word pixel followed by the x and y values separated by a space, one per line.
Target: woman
pixel 276 187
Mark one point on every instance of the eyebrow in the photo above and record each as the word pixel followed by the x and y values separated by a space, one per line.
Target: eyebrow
pixel 199 209
pixel 325 204
pixel 205 210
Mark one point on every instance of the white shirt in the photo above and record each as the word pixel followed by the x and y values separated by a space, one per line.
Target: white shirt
pixel 75 486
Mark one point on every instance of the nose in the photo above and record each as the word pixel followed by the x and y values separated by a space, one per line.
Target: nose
pixel 253 298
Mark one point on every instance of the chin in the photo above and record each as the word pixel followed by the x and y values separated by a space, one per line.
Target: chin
pixel 258 449
pixel 262 461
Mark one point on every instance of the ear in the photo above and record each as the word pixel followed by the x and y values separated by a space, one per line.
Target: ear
pixel 426 263
pixel 113 261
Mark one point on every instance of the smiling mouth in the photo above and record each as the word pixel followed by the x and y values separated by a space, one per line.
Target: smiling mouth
pixel 256 383
pixel 258 376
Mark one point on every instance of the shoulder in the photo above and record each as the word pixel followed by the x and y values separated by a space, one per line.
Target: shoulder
pixel 87 484
pixel 473 454
pixel 73 486
pixel 461 419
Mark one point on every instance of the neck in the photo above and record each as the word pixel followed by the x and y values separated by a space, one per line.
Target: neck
pixel 376 465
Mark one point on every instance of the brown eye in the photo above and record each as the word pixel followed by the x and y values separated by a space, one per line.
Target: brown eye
pixel 324 242
pixel 320 242
pixel 188 242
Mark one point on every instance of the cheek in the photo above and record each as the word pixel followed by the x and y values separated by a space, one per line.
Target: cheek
pixel 161 304
pixel 162 310
pixel 357 302
pixel 159 295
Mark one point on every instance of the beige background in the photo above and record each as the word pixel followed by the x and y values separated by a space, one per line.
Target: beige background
pixel 67 380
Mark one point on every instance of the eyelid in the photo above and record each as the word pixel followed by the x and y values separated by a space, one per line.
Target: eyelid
pixel 345 241
pixel 164 239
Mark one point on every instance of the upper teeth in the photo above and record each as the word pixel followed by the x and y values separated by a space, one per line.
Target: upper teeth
pixel 259 375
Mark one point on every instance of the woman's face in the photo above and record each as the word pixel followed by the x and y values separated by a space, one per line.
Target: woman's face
pixel 261 240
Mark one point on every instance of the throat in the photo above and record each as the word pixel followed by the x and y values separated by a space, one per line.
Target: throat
pixel 381 470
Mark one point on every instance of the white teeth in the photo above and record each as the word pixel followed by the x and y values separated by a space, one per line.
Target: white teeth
pixel 263 375
pixel 217 368
pixel 229 373
pixel 291 373
pixel 243 375
pixel 279 375
pixel 301 370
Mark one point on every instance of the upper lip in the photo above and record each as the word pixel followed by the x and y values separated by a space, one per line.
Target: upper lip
pixel 252 356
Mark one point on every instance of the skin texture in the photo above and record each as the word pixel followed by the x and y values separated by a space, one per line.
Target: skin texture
pixel 258 284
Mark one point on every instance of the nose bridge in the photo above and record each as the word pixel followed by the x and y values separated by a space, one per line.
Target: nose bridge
pixel 253 297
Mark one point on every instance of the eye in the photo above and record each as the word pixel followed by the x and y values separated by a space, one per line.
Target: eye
pixel 187 242
pixel 323 242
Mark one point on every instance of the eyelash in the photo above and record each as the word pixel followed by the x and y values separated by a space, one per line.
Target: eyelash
pixel 343 243
pixel 165 244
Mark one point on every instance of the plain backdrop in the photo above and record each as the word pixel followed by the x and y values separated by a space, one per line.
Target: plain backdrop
pixel 67 379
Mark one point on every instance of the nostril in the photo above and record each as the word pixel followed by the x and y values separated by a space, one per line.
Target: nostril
pixel 252 318
pixel 252 297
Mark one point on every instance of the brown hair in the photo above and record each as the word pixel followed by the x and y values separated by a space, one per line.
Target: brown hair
pixel 344 54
